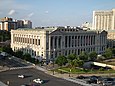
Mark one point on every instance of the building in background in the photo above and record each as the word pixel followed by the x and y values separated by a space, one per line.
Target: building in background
pixel 111 39
pixel 8 24
pixel 86 26
pixel 24 24
pixel 49 43
pixel 27 24
pixel 20 23
pixel 104 20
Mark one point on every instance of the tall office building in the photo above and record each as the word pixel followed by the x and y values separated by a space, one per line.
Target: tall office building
pixel 27 23
pixel 49 43
pixel 20 23
pixel 7 24
pixel 104 20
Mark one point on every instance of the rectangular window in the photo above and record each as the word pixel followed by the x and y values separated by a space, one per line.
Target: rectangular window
pixel 38 41
pixel 33 41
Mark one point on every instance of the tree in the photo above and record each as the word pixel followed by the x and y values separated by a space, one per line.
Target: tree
pixel 93 56
pixel 4 35
pixel 19 54
pixel 108 53
pixel 113 51
pixel 77 63
pixel 8 50
pixel 72 57
pixel 83 56
pixel 61 60
pixel 27 57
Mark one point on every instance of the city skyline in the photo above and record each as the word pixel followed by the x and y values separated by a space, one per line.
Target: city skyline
pixel 53 13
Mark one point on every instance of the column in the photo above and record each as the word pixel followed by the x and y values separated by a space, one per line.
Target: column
pixel 95 22
pixel 49 53
pixel 90 40
pixel 107 22
pixel 67 41
pixel 61 38
pixel 84 40
pixel 57 42
pixel 70 41
pixel 53 42
pixel 29 39
pixel 77 41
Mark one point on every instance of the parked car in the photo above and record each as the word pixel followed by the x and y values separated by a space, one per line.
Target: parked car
pixel 93 79
pixel 107 81
pixel 38 81
pixel 81 77
pixel 21 76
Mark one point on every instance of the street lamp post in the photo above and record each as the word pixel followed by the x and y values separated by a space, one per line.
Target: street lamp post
pixel 69 72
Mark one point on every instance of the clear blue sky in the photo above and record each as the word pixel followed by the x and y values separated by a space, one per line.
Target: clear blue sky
pixel 54 12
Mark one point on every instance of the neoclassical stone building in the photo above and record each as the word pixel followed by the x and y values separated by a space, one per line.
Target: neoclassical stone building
pixel 48 43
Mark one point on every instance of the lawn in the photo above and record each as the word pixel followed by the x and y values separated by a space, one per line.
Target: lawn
pixel 82 71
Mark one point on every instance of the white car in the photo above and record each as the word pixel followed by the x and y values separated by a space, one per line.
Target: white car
pixel 38 81
pixel 21 76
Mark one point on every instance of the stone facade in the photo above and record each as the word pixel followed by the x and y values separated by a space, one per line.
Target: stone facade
pixel 48 43
pixel 111 38
pixel 104 20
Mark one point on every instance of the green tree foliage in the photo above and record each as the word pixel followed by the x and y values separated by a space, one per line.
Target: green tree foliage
pixel 4 35
pixel 77 63
pixel 72 57
pixel 83 56
pixel 27 57
pixel 108 53
pixel 113 51
pixel 61 60
pixel 74 61
pixel 19 54
pixel 7 50
pixel 93 56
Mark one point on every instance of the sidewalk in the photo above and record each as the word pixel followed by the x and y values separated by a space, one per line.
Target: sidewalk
pixel 2 84
pixel 3 68
pixel 68 77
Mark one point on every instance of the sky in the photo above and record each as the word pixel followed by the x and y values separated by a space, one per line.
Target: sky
pixel 54 12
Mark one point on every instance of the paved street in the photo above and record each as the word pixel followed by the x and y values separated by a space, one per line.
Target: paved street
pixel 12 77
pixel 13 62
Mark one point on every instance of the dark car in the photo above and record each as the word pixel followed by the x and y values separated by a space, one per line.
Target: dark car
pixel 81 77
pixel 93 79
pixel 107 81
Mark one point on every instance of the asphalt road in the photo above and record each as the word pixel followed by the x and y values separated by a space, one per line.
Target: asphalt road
pixel 12 77
pixel 10 62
